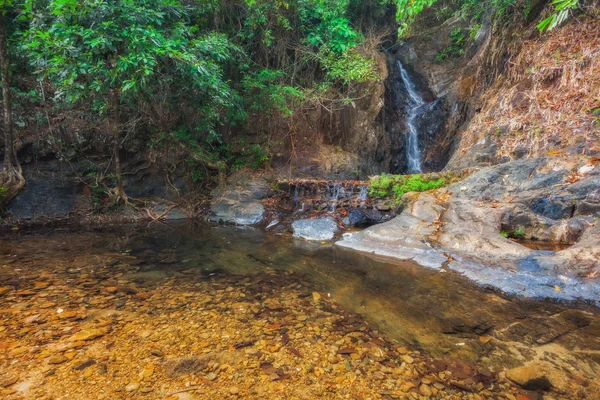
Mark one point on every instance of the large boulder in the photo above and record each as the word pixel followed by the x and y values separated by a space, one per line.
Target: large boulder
pixel 318 229
pixel 239 202
pixel 461 227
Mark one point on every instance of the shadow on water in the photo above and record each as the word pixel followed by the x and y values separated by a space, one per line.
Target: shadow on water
pixel 437 312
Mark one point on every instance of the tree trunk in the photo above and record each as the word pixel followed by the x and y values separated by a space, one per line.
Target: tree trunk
pixel 9 148
pixel 11 177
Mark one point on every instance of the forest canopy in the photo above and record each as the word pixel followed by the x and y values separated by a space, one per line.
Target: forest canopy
pixel 186 70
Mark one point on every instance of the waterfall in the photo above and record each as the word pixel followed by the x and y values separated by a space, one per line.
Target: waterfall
pixel 364 193
pixel 415 101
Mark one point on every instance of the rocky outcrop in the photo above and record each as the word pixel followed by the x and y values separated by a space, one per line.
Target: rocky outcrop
pixel 239 201
pixel 336 141
pixel 460 228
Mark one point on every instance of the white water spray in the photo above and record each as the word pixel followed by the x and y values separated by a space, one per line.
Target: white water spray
pixel 415 101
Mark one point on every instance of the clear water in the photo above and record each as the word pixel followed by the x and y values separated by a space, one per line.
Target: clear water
pixel 439 313
pixel 415 101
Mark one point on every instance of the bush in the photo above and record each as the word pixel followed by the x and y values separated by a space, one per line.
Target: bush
pixel 397 186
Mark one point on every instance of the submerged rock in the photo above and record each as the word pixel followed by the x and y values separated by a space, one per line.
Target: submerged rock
pixel 319 229
pixel 530 377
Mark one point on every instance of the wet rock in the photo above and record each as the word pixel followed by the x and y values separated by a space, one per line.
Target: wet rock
pixel 88 334
pixel 47 194
pixel 239 202
pixel 463 232
pixel 6 382
pixel 425 390
pixel 382 207
pixel 57 359
pixel 84 364
pixel 185 365
pixel 132 387
pixel 212 376
pixel 360 216
pixel 530 377
pixel 318 229
pixel 168 212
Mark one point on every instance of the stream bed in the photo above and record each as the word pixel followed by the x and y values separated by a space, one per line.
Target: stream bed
pixel 146 296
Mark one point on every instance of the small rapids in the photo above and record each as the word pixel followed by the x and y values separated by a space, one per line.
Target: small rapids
pixel 327 195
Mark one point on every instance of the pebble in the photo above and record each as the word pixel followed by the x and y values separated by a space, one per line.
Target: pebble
pixel 9 381
pixel 425 390
pixel 132 387
pixel 212 376
pixel 88 334
pixel 57 359
pixel 252 337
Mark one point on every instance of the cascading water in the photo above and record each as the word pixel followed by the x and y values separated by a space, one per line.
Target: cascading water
pixel 415 101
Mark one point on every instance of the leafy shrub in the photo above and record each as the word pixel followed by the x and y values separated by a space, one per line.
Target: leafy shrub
pixel 519 232
pixel 456 48
pixel 397 186
pixel 562 9
pixel 3 191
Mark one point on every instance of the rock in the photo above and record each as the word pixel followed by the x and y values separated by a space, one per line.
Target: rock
pixel 361 217
pixel 239 201
pixel 211 376
pixel 234 390
pixel 407 359
pixel 84 364
pixel 49 193
pixel 185 365
pixel 529 377
pixel 463 230
pixel 425 390
pixel 57 359
pixel 132 387
pixel 382 207
pixel 9 381
pixel 173 214
pixel 67 315
pixel 316 297
pixel 119 303
pixel 41 284
pixel 590 205
pixel 88 334
pixel 319 229
pixel 553 207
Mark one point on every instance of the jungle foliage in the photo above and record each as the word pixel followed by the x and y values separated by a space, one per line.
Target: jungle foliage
pixel 185 71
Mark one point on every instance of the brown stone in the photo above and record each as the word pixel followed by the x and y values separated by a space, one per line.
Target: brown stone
pixel 57 359
pixel 88 334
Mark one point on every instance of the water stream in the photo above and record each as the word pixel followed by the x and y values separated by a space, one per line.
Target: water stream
pixel 415 102
pixel 437 312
